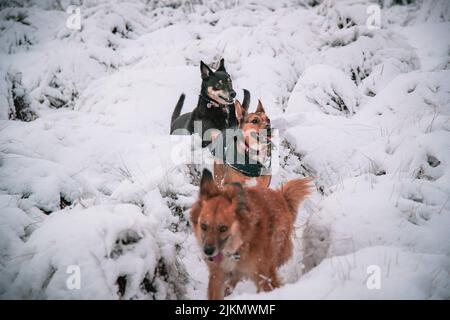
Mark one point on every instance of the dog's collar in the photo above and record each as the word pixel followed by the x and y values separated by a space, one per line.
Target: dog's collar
pixel 212 104
pixel 236 256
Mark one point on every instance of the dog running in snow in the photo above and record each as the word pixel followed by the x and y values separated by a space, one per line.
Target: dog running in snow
pixel 215 108
pixel 247 158
pixel 245 232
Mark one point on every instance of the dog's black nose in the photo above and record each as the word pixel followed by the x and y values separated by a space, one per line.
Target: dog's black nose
pixel 233 94
pixel 209 250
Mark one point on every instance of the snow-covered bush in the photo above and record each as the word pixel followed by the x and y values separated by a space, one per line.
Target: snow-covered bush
pixel 400 172
pixel 115 249
pixel 15 228
pixel 327 89
pixel 16 103
pixel 17 31
pixel 96 183
pixel 53 191
pixel 369 53
pixel 362 53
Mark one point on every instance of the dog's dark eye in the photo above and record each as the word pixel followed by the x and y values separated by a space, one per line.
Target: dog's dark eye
pixel 217 86
pixel 255 121
pixel 204 226
pixel 223 228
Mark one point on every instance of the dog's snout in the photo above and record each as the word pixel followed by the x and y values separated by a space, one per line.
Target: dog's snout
pixel 209 250
pixel 232 94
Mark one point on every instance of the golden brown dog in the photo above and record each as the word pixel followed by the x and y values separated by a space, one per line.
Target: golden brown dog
pixel 245 232
pixel 253 145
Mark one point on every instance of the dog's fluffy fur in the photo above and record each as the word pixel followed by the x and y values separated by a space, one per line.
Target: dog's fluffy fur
pixel 245 232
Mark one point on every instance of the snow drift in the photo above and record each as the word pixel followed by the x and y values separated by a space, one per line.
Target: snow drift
pixel 89 176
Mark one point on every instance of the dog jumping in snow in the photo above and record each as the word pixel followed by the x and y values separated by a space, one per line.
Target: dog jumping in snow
pixel 247 158
pixel 215 108
pixel 245 232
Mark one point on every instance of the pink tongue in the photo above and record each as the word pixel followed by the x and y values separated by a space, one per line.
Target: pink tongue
pixel 217 258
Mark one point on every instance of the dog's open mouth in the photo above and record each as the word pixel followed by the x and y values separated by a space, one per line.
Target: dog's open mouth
pixel 227 100
pixel 217 258
pixel 262 138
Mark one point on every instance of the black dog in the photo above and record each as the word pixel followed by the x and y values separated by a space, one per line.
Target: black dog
pixel 215 107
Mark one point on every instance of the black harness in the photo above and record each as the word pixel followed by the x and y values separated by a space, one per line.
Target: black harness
pixel 252 170
pixel 232 157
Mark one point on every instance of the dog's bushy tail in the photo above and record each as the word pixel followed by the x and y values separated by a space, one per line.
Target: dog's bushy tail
pixel 295 191
pixel 177 111
pixel 246 101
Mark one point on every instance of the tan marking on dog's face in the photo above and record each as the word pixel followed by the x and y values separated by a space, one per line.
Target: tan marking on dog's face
pixel 254 122
pixel 219 95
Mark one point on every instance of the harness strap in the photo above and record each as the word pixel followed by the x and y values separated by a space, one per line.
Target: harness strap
pixel 252 170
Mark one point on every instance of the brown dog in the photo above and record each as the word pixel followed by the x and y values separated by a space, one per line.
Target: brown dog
pixel 253 145
pixel 245 232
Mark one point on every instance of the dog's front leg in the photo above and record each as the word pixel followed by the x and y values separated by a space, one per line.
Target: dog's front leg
pixel 231 283
pixel 266 280
pixel 216 285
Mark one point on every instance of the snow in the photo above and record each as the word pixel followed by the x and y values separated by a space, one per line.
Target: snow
pixel 90 177
pixel 406 275
pixel 326 88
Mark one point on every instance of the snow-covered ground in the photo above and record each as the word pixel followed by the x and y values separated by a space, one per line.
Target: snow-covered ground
pixel 92 184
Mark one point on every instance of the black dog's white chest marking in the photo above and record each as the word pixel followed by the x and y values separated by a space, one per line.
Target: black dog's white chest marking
pixel 227 112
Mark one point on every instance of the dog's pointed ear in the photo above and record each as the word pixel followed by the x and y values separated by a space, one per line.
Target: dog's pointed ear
pixel 208 187
pixel 239 110
pixel 205 70
pixel 236 194
pixel 221 65
pixel 260 107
